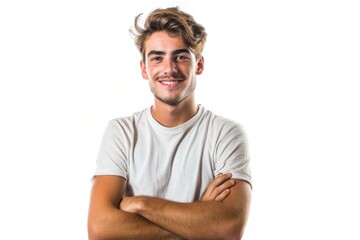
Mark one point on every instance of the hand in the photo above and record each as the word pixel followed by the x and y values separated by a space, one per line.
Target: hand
pixel 219 188
pixel 134 204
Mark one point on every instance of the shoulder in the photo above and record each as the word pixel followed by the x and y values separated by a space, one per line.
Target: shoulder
pixel 223 125
pixel 127 124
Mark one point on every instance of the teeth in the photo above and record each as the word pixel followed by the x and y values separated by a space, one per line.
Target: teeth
pixel 168 82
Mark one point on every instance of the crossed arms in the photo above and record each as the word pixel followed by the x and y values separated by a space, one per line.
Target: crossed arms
pixel 221 214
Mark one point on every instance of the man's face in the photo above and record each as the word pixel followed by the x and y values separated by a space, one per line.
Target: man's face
pixel 170 67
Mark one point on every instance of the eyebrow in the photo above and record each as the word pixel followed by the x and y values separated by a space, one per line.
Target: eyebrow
pixel 177 51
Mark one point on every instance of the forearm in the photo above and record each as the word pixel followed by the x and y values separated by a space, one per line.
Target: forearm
pixel 117 224
pixel 199 220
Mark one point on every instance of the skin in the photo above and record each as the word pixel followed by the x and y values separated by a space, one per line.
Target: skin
pixel 171 69
pixel 169 59
pixel 200 220
pixel 107 220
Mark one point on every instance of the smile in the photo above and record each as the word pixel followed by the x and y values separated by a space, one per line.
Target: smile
pixel 169 82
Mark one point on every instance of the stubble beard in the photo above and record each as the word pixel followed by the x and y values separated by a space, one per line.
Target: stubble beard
pixel 173 101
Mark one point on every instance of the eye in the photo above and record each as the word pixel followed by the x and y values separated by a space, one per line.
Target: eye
pixel 182 58
pixel 156 59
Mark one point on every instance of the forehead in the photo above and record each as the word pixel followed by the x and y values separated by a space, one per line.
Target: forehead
pixel 162 41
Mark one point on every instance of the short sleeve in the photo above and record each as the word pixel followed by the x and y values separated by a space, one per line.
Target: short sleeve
pixel 232 154
pixel 112 155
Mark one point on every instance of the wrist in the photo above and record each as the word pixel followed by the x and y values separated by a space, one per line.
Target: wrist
pixel 132 204
pixel 145 205
pixel 139 204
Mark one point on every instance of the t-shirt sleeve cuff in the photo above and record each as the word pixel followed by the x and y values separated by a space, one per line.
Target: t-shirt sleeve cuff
pixel 108 172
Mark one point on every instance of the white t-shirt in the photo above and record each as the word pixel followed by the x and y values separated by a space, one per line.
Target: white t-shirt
pixel 174 163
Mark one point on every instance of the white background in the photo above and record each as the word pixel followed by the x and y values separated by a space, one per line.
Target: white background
pixel 287 70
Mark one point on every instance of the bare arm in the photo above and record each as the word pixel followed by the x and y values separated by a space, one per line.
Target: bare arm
pixel 200 220
pixel 107 221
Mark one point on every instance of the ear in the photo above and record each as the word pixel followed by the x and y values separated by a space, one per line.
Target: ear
pixel 200 66
pixel 143 70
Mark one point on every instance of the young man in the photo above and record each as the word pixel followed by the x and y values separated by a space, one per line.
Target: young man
pixel 174 170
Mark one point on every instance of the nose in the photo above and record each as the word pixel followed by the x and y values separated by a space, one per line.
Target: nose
pixel 169 66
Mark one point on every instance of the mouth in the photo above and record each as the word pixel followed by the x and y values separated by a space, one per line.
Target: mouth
pixel 171 83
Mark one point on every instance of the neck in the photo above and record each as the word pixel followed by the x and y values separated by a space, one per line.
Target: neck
pixel 172 116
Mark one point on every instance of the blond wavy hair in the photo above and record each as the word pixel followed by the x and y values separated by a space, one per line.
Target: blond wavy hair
pixel 175 22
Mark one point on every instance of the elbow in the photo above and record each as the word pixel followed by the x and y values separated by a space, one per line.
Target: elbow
pixel 232 230
pixel 236 233
pixel 95 231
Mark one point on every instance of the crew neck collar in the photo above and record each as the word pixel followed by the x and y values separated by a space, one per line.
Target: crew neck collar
pixel 178 128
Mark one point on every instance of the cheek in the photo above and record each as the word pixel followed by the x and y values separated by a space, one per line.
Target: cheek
pixel 186 70
pixel 148 73
pixel 190 72
pixel 153 72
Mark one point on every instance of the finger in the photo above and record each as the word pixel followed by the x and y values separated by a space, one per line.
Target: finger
pixel 219 189
pixel 217 186
pixel 220 179
pixel 223 195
